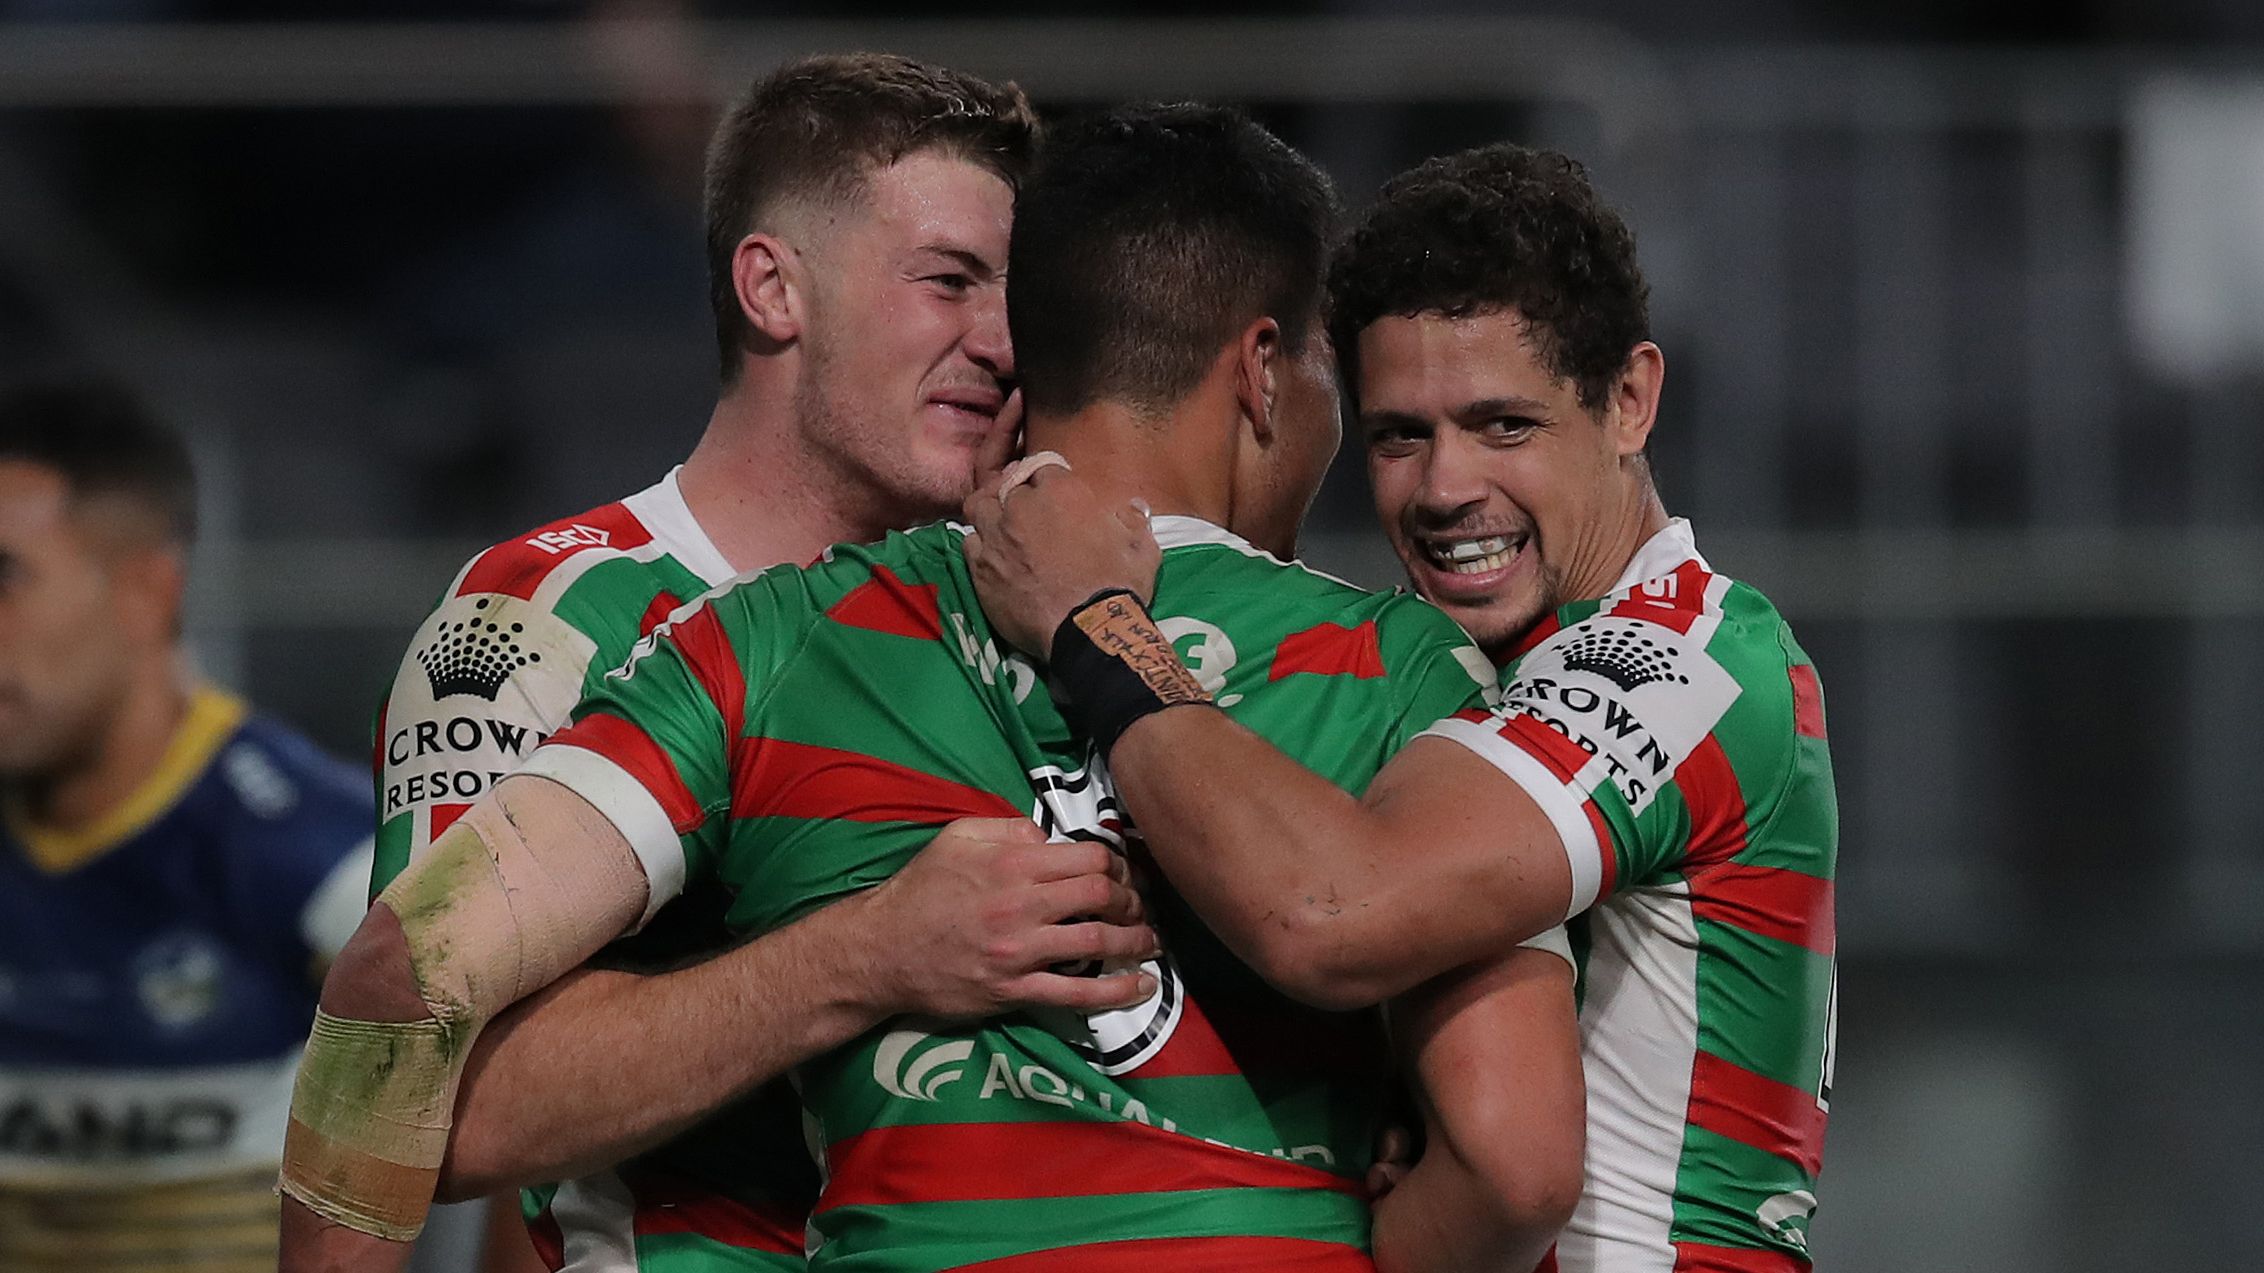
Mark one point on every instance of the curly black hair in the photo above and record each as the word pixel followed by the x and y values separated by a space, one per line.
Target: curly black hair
pixel 1501 227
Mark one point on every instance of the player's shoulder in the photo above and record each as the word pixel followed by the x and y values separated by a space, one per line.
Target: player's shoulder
pixel 523 564
pixel 270 774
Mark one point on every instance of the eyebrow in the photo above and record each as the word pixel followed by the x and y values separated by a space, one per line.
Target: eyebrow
pixel 963 257
pixel 1487 408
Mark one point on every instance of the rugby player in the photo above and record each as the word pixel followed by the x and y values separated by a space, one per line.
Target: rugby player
pixel 801 734
pixel 175 872
pixel 1656 767
pixel 858 210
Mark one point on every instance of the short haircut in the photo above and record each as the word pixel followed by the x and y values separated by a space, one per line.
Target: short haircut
pixel 1145 239
pixel 104 443
pixel 1498 228
pixel 818 127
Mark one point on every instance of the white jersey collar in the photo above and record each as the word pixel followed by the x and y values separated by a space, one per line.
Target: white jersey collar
pixel 662 509
pixel 1660 554
pixel 1175 530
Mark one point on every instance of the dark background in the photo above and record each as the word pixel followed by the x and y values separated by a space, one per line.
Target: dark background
pixel 1963 307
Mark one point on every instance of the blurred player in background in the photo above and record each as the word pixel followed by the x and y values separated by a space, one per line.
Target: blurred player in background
pixel 175 873
pixel 858 213
pixel 1657 770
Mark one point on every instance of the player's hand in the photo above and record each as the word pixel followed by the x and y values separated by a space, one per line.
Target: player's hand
pixel 1004 445
pixel 974 925
pixel 1045 544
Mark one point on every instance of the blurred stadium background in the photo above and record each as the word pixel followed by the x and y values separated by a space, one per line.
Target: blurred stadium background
pixel 1963 306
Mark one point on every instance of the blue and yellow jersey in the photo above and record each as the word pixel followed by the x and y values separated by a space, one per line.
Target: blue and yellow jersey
pixel 158 972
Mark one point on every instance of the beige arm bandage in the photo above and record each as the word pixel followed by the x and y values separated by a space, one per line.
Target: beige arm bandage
pixel 529 883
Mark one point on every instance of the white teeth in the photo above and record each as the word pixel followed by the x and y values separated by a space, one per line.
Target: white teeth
pixel 1474 556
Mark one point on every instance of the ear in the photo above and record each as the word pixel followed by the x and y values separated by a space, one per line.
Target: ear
pixel 766 273
pixel 1634 404
pixel 151 590
pixel 1256 351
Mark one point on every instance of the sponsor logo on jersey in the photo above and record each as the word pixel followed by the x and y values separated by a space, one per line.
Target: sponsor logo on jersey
pixel 1785 1217
pixel 1636 696
pixel 989 665
pixel 177 978
pixel 912 1065
pixel 264 788
pixel 476 654
pixel 1206 650
pixel 569 538
pixel 85 1130
pixel 462 714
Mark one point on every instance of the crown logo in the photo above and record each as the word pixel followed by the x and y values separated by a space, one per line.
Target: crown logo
pixel 1624 659
pixel 474 656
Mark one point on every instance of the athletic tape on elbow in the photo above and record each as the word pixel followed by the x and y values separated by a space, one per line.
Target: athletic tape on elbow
pixel 487 921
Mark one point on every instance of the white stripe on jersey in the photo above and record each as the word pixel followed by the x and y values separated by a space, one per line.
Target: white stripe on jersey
pixel 336 908
pixel 1562 803
pixel 253 1101
pixel 598 1218
pixel 623 801
pixel 1638 1045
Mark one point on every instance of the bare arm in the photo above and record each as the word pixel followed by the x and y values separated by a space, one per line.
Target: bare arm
pixel 968 929
pixel 1339 902
pixel 1495 1053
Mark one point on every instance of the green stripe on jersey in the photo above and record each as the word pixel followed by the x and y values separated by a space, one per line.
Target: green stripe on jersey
pixel 1780 1035
pixel 877 706
pixel 1725 1189
pixel 919 1236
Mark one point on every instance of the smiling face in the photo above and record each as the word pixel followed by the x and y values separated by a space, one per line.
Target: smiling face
pixel 1504 497
pixel 909 365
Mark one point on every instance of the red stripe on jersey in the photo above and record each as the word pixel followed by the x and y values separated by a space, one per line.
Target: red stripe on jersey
pixel 1548 1262
pixel 1186 1255
pixel 662 605
pixel 1752 1109
pixel 1673 600
pixel 1330 649
pixel 1476 715
pixel 715 665
pixel 977 1162
pixel 443 816
pixel 1194 1049
pixel 377 743
pixel 885 603
pixel 1807 702
pixel 772 778
pixel 1608 883
pixel 672 1206
pixel 1548 627
pixel 1717 805
pixel 517 567
pixel 549 1240
pixel 1564 757
pixel 634 750
pixel 1692 1257
pixel 1766 900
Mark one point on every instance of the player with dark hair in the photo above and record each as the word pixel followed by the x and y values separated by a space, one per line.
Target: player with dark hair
pixel 858 212
pixel 1656 770
pixel 802 734
pixel 175 873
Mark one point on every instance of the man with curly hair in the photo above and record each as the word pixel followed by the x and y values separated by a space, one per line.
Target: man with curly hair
pixel 1656 771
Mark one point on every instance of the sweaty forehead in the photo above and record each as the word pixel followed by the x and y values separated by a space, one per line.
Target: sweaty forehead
pixel 1430 364
pixel 929 198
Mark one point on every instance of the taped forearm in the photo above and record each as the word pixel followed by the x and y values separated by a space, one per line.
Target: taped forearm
pixel 486 920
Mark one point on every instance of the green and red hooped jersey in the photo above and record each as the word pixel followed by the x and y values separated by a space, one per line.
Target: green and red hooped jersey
pixel 1673 732
pixel 804 733
pixel 522 634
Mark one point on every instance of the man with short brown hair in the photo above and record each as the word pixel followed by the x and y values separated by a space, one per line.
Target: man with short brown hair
pixel 858 212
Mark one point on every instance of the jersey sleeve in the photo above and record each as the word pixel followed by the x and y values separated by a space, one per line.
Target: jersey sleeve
pixel 1432 666
pixel 1616 727
pixel 652 746
pixel 486 679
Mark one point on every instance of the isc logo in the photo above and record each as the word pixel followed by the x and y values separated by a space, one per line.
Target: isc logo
pixel 572 537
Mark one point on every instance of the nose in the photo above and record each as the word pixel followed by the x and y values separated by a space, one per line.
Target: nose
pixel 1453 482
pixel 987 344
